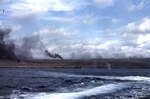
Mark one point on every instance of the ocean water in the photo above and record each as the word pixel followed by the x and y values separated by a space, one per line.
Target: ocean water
pixel 48 83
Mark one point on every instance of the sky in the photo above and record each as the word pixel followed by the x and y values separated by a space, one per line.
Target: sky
pixel 82 28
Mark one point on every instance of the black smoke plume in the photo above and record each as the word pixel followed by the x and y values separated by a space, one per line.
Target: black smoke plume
pixel 53 55
pixel 6 48
pixel 24 51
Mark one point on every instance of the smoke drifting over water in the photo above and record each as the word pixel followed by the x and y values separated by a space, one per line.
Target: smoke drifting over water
pixel 28 45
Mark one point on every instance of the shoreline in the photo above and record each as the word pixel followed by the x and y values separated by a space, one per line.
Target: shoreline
pixel 80 63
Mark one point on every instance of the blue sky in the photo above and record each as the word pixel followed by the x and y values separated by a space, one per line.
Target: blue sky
pixel 82 28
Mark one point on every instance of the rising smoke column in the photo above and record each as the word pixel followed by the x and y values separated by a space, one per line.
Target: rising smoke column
pixel 7 47
pixel 32 45
pixel 9 50
pixel 28 46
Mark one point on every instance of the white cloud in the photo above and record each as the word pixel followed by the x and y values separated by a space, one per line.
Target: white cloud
pixel 115 20
pixel 104 45
pixel 3 1
pixel 136 7
pixel 12 28
pixel 141 26
pixel 40 5
pixel 89 19
pixel 16 28
pixel 0 22
pixel 33 10
pixel 129 39
pixel 52 31
pixel 143 39
pixel 27 17
pixel 59 40
pixel 135 38
pixel 104 3
pixel 61 19
pixel 130 51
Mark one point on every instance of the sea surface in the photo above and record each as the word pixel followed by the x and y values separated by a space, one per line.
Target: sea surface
pixel 50 83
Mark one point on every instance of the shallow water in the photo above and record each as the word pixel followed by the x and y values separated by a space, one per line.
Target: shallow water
pixel 46 83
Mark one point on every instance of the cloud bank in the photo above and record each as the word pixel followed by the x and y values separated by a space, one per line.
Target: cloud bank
pixel 80 28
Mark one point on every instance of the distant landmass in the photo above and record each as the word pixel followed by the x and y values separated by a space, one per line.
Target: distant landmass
pixel 79 63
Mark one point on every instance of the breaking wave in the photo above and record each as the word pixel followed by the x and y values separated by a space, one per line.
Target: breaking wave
pixel 132 78
pixel 111 84
pixel 75 95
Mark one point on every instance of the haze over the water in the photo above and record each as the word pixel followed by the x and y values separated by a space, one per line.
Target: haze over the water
pixel 79 28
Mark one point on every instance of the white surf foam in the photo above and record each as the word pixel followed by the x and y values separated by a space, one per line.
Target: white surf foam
pixel 1 97
pixel 75 95
pixel 133 78
pixel 107 88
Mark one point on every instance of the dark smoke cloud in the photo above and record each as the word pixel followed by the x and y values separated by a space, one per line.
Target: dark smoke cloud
pixel 6 49
pixel 53 55
pixel 28 45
